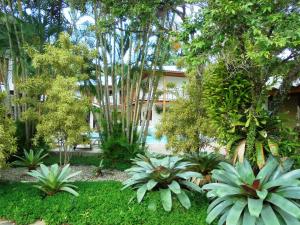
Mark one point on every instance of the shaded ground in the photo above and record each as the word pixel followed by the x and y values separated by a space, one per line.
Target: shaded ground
pixel 88 173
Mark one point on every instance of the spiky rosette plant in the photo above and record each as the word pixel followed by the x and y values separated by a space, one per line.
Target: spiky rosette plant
pixel 167 175
pixel 31 159
pixel 241 198
pixel 204 163
pixel 54 179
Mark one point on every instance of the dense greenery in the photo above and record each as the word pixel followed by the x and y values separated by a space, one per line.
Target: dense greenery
pixel 242 197
pixel 7 131
pixel 90 161
pixel 64 121
pixel 184 123
pixel 98 203
pixel 243 45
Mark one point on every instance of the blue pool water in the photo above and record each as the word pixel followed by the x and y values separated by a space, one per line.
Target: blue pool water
pixel 152 140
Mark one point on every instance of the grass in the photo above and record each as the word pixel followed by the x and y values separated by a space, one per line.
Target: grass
pixel 99 203
pixel 90 160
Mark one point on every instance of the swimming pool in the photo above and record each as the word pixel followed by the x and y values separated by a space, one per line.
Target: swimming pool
pixel 153 140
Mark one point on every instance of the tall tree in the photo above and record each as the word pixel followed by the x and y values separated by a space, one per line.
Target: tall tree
pixel 254 42
pixel 130 41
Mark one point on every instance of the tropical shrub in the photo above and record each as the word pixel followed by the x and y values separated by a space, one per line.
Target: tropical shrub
pixel 31 159
pixel 241 197
pixel 203 163
pixel 185 123
pixel 54 179
pixel 167 175
pixel 7 133
pixel 116 147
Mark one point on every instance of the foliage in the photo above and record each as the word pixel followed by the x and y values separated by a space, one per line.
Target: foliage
pixel 64 118
pixel 243 47
pixel 7 132
pixel 31 159
pixel 203 163
pixel 64 58
pixel 167 174
pixel 184 123
pixel 90 161
pixel 241 197
pixel 116 147
pixel 54 179
pixel 248 131
pixel 35 88
pixel 98 203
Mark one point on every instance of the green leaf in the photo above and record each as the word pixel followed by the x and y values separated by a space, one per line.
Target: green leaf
pixel 218 210
pixel 184 199
pixel 289 219
pixel 192 186
pixel 263 133
pixel 248 219
pixel 151 184
pixel 235 212
pixel 266 172
pixel 175 187
pixel 141 193
pixel 189 174
pixel 255 206
pixel 166 199
pixel 284 204
pixel 260 157
pixel 273 147
pixel 268 216
pixel 290 192
pixel 262 194
pixel 70 190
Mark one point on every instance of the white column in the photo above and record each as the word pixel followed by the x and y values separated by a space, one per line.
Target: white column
pixel 91 120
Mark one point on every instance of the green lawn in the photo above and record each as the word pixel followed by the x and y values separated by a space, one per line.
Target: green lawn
pixel 98 203
pixel 90 160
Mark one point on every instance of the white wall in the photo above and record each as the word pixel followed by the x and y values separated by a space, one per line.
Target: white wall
pixel 179 82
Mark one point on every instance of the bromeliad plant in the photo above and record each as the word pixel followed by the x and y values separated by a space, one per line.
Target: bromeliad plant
pixel 269 198
pixel 54 179
pixel 31 159
pixel 167 175
pixel 204 163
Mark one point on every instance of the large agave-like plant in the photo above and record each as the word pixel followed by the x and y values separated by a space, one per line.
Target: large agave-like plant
pixel 241 198
pixel 204 163
pixel 31 159
pixel 54 179
pixel 167 175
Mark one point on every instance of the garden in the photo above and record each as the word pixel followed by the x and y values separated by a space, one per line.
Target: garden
pixel 149 112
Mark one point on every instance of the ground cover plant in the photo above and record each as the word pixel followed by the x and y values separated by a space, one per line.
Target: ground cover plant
pixel 98 203
pixel 268 198
pixel 168 175
pixel 77 160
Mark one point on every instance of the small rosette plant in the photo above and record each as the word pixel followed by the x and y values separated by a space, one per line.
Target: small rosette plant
pixel 241 197
pixel 54 179
pixel 31 159
pixel 168 175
